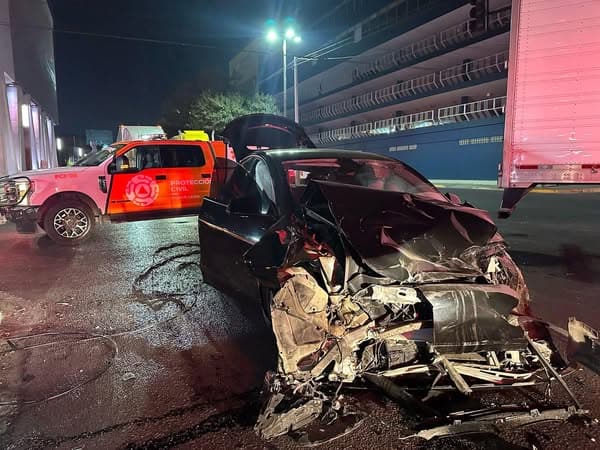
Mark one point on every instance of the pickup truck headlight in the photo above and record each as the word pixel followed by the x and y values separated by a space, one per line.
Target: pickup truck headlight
pixel 15 191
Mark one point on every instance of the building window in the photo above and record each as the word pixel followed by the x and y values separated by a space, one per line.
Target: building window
pixel 481 140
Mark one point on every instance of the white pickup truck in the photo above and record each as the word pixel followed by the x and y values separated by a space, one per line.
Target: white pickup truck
pixel 136 180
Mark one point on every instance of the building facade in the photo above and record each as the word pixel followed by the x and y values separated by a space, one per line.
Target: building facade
pixel 28 104
pixel 244 69
pixel 423 81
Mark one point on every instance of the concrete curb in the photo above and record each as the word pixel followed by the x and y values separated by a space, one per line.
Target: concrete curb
pixel 491 185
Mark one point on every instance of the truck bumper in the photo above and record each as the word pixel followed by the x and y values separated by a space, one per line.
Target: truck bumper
pixel 24 217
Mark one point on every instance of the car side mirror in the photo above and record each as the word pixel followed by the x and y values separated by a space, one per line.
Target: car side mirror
pixel 454 198
pixel 112 168
pixel 250 204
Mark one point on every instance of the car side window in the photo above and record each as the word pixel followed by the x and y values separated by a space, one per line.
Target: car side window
pixel 182 156
pixel 139 158
pixel 241 185
pixel 265 183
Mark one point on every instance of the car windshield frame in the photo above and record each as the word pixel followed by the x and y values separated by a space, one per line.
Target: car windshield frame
pixel 402 174
pixel 96 158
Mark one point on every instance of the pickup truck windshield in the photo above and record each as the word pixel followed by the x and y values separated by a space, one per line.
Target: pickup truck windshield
pixel 97 158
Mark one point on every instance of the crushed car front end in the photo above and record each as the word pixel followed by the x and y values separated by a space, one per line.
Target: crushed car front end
pixel 401 292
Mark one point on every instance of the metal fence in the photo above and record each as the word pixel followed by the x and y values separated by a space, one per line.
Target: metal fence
pixel 490 107
pixel 473 110
pixel 448 77
pixel 449 37
pixel 474 69
pixel 500 18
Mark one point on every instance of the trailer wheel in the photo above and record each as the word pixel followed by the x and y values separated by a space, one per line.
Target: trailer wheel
pixel 69 222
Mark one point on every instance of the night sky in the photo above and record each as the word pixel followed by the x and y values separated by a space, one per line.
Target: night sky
pixel 104 81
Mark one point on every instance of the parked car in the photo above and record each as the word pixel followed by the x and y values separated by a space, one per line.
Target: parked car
pixel 127 181
pixel 369 274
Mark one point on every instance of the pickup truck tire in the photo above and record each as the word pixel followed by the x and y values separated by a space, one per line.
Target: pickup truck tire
pixel 69 222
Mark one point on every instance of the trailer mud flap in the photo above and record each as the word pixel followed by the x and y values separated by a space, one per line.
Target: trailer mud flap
pixel 510 198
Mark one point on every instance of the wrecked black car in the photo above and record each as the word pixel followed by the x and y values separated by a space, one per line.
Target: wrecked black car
pixel 371 277
pixel 369 274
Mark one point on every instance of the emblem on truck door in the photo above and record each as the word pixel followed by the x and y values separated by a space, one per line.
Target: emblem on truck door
pixel 142 190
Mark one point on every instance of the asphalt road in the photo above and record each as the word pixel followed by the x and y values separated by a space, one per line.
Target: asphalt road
pixel 119 344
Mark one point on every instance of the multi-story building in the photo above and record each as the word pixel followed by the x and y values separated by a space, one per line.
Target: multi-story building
pixel 421 80
pixel 28 105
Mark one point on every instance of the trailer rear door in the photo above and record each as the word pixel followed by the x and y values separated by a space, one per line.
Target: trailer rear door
pixel 552 132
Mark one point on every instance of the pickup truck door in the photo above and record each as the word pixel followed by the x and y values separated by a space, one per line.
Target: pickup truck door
pixel 139 186
pixel 189 169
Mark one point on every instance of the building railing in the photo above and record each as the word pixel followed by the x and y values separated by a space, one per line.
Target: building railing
pixel 449 37
pixel 491 107
pixel 473 110
pixel 499 18
pixel 455 34
pixel 474 69
pixel 461 73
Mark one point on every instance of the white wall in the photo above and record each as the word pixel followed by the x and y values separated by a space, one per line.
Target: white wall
pixel 6 55
pixel 6 70
pixel 27 77
pixel 33 52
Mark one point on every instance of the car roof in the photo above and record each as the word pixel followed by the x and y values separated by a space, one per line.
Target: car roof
pixel 158 142
pixel 291 154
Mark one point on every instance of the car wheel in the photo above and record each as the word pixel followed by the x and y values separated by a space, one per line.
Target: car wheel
pixel 69 222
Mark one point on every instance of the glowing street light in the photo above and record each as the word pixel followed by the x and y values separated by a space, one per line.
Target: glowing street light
pixel 272 36
pixel 289 34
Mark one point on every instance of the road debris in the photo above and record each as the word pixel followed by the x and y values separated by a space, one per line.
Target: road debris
pixel 128 376
pixel 584 345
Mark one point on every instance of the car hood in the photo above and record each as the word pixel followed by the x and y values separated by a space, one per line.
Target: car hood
pixel 54 171
pixel 264 131
pixel 404 237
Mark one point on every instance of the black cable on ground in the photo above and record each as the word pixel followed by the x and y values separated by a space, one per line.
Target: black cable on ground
pixel 107 337
pixel 11 342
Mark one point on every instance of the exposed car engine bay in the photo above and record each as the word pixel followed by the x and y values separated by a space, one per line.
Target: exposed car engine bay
pixel 402 293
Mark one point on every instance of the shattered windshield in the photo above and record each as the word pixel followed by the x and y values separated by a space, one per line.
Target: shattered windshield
pixel 377 174
pixel 97 158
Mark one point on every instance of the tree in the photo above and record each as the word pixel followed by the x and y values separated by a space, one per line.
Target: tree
pixel 213 111
pixel 176 107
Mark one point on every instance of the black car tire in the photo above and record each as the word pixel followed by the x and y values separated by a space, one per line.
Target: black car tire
pixel 69 222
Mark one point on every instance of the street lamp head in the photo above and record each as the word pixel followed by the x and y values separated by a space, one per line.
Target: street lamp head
pixel 272 36
pixel 297 39
pixel 289 33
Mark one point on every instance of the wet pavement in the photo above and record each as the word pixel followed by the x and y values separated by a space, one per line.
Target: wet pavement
pixel 119 344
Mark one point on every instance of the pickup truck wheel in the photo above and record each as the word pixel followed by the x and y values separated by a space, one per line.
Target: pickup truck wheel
pixel 69 222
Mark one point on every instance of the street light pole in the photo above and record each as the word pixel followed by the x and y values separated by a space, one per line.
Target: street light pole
pixel 296 112
pixel 284 77
pixel 289 34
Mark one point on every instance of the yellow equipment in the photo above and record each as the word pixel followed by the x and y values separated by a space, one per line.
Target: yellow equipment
pixel 192 135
